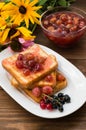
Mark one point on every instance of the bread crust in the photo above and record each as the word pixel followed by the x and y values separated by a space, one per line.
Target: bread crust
pixel 27 81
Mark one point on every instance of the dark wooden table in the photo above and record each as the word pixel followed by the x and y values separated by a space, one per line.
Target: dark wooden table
pixel 14 117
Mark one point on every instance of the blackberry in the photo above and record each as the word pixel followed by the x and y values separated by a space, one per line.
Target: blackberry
pixel 62 100
pixel 60 95
pixel 61 109
pixel 55 106
pixel 67 98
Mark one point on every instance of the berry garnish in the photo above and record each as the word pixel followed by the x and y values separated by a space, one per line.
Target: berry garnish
pixel 54 101
pixel 67 98
pixel 49 106
pixel 43 105
pixel 19 64
pixel 47 90
pixel 36 91
pixel 60 95
pixel 61 108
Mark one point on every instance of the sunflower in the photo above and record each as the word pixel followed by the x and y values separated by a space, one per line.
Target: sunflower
pixel 9 31
pixel 22 10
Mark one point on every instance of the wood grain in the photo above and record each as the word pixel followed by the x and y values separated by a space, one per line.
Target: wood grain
pixel 14 117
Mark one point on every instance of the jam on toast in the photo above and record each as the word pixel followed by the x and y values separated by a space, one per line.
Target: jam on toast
pixel 29 66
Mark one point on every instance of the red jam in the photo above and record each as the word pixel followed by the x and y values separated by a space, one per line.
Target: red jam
pixel 63 27
pixel 60 77
pixel 29 63
pixel 48 78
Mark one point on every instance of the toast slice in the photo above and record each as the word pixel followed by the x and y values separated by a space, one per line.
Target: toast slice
pixel 48 65
pixel 60 84
pixel 49 80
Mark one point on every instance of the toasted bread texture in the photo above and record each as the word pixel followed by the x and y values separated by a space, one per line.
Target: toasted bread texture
pixel 59 86
pixel 30 94
pixel 49 80
pixel 49 65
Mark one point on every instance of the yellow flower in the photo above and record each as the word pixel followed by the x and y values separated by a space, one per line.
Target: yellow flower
pixel 1 7
pixel 22 10
pixel 9 31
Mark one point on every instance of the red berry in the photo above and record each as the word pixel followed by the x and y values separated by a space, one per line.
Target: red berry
pixel 19 64
pixel 37 67
pixel 47 89
pixel 42 101
pixel 31 63
pixel 36 92
pixel 60 77
pixel 20 57
pixel 43 105
pixel 49 78
pixel 49 106
pixel 26 72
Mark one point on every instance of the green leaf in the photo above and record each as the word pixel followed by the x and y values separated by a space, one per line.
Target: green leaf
pixel 62 2
pixel 42 2
pixel 6 1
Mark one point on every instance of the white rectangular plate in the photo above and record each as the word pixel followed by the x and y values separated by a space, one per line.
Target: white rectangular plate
pixel 76 87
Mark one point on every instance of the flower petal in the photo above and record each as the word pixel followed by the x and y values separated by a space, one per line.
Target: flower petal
pixel 36 20
pixel 27 1
pixel 29 37
pixel 17 2
pixel 8 6
pixel 24 31
pixel 31 19
pixel 1 4
pixel 35 14
pixel 18 19
pixel 5 34
pixel 27 22
pixel 2 27
pixel 36 8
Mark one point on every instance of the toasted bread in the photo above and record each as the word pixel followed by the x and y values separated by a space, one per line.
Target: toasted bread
pixel 59 86
pixel 49 65
pixel 49 80
pixel 30 94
